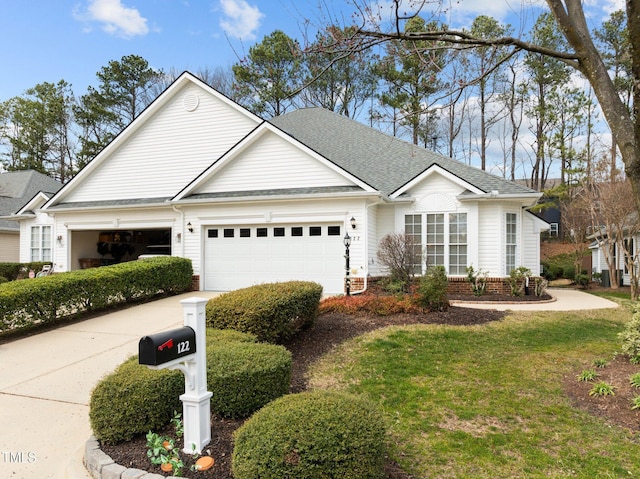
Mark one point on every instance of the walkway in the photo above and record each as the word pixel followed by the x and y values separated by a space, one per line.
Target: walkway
pixel 46 380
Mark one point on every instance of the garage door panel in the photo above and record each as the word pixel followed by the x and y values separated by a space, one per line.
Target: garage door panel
pixel 233 262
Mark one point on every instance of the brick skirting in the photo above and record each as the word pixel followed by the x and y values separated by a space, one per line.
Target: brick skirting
pixel 457 285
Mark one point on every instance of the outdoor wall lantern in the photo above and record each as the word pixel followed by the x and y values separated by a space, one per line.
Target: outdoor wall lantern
pixel 347 278
pixel 353 222
pixel 179 237
pixel 189 227
pixel 59 239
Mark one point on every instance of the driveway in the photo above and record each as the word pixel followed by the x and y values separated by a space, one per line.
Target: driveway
pixel 46 380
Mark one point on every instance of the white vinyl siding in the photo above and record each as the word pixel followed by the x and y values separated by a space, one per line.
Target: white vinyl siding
pixel 172 148
pixel 40 243
pixel 272 163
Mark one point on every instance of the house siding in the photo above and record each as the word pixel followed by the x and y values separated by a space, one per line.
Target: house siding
pixel 173 147
pixel 9 247
pixel 490 238
pixel 272 163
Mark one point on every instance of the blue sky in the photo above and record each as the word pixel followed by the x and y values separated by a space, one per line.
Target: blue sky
pixel 51 40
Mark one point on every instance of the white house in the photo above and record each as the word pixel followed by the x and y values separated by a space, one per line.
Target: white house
pixel 252 201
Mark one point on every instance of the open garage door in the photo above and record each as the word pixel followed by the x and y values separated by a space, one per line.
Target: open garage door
pixel 244 255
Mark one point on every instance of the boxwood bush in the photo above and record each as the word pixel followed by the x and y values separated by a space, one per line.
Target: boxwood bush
pixel 243 376
pixel 312 435
pixel 273 312
pixel 46 299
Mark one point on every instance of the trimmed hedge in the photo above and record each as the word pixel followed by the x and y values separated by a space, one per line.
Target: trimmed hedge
pixel 320 434
pixel 243 376
pixel 49 298
pixel 273 312
pixel 13 271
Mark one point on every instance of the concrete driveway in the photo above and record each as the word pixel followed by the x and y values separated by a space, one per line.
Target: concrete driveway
pixel 46 380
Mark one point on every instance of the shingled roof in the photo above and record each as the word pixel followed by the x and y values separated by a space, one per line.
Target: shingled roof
pixel 384 162
pixel 17 188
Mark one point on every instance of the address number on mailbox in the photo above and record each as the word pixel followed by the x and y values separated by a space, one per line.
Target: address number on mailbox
pixel 160 348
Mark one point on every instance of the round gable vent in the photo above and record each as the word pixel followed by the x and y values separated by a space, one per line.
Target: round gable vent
pixel 190 101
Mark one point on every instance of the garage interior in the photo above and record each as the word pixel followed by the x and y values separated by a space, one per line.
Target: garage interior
pixel 101 248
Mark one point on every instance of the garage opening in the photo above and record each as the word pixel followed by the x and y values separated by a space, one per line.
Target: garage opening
pixel 105 247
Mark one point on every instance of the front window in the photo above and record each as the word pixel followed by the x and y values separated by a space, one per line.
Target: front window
pixel 444 238
pixel 457 243
pixel 41 243
pixel 413 230
pixel 511 242
pixel 435 240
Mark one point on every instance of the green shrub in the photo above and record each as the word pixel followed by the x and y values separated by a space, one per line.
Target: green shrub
pixel 48 298
pixel 134 400
pixel 242 374
pixel 432 290
pixel 630 337
pixel 244 377
pixel 560 266
pixel 517 280
pixel 3 280
pixel 312 435
pixel 273 312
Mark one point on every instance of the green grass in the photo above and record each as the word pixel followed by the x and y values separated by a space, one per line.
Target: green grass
pixel 488 401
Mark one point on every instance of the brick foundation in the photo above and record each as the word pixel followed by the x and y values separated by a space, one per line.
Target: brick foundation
pixel 195 282
pixel 457 285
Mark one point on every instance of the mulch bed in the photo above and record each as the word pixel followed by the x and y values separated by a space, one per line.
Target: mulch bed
pixel 328 331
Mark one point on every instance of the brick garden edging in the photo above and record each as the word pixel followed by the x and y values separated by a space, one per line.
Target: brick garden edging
pixel 101 466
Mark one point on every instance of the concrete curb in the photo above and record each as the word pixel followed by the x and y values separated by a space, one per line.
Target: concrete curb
pixel 101 466
pixel 459 302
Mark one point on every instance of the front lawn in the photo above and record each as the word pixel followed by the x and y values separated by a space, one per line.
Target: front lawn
pixel 490 401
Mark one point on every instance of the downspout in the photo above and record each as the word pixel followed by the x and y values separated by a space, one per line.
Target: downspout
pixel 181 232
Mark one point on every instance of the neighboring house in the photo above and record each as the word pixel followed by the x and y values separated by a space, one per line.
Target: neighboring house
pixel 599 260
pixel 252 201
pixel 16 189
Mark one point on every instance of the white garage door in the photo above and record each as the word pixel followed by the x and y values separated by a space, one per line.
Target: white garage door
pixel 241 256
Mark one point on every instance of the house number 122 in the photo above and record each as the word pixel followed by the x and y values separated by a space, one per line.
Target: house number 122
pixel 183 346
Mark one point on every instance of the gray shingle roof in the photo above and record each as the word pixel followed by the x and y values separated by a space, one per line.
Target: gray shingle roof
pixel 17 188
pixel 382 161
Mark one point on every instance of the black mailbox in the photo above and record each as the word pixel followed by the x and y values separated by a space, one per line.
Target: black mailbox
pixel 160 348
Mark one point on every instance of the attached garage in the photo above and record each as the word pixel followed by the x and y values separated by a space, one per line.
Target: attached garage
pixel 237 256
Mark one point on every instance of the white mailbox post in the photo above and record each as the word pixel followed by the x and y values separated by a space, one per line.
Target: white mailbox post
pixel 174 350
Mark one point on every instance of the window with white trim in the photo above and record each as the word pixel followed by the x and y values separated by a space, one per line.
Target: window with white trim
pixel 41 243
pixel 444 239
pixel 511 242
pixel 413 230
pixel 457 243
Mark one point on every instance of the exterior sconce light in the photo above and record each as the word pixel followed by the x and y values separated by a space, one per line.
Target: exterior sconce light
pixel 347 267
pixel 353 222
pixel 59 238
pixel 179 237
pixel 189 227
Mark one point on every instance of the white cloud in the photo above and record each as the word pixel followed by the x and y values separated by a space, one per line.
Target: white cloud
pixel 116 19
pixel 241 20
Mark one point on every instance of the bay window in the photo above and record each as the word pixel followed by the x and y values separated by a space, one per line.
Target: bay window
pixel 443 240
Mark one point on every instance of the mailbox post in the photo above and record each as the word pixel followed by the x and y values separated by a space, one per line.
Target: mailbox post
pixel 185 349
